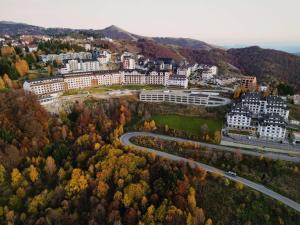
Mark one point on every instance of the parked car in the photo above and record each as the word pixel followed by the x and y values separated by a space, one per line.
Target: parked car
pixel 231 173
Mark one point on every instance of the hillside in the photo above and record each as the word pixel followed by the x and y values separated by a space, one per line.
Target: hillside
pixel 113 32
pixel 266 64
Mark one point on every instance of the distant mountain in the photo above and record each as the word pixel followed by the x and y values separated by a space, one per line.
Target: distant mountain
pixel 113 32
pixel 298 53
pixel 117 33
pixel 266 64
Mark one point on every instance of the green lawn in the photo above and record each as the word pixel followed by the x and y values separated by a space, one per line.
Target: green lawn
pixel 103 89
pixel 187 123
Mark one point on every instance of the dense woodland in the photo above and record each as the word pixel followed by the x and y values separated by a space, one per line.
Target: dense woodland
pixel 279 175
pixel 71 169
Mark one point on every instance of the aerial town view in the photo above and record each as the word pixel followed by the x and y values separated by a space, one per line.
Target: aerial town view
pixel 183 113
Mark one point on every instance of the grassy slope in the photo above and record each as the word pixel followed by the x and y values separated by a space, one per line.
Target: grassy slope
pixel 186 123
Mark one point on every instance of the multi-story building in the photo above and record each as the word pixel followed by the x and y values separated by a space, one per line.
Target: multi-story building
pixel 104 57
pixel 92 79
pixel 259 105
pixel 66 56
pixel 165 63
pixel 265 115
pixel 45 86
pixel 72 65
pixel 182 97
pixel 128 63
pixel 184 70
pixel 89 65
pixel 239 117
pixel 249 83
pixel 272 127
pixel 146 77
pixel 84 65
pixel 178 81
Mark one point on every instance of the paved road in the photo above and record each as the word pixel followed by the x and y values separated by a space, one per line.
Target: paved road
pixel 244 139
pixel 270 155
pixel 125 140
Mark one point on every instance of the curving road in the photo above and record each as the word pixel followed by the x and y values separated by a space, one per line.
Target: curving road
pixel 270 155
pixel 125 140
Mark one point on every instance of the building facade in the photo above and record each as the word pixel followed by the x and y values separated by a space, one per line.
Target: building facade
pixel 45 86
pixel 249 83
pixel 239 117
pixel 178 81
pixel 272 127
pixel 181 97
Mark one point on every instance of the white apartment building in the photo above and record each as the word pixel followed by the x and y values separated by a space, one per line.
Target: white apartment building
pixel 45 86
pixel 209 72
pixel 128 63
pixel 83 65
pixel 92 79
pixel 272 127
pixel 270 104
pixel 239 117
pixel 141 77
pixel 89 65
pixel 184 71
pixel 66 56
pixel 178 81
pixel 181 97
pixel 104 57
pixel 124 55
pixel 73 65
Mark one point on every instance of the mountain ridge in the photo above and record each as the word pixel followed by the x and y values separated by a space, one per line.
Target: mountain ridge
pixel 113 31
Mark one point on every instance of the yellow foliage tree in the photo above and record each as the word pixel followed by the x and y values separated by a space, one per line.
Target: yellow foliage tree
pixel 7 51
pixel 33 173
pixel 16 177
pixel 2 83
pixel 209 222
pixel 21 192
pixel 217 137
pixel 7 81
pixel 239 186
pixel 189 219
pixel 192 199
pixel 102 189
pixel 2 174
pixel 97 146
pixel 77 183
pixel 21 66
pixel 237 92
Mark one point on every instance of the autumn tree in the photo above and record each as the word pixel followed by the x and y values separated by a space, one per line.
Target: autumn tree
pixel 7 81
pixel 237 93
pixel 21 66
pixel 2 83
pixel 16 177
pixel 33 173
pixel 192 199
pixel 7 51
pixel 50 166
pixel 77 183
pixel 217 137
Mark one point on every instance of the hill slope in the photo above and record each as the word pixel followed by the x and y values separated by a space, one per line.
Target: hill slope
pixel 113 32
pixel 266 64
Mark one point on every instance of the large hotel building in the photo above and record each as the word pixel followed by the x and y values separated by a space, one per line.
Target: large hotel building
pixel 78 80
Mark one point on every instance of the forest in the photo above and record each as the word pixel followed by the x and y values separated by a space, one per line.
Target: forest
pixel 70 168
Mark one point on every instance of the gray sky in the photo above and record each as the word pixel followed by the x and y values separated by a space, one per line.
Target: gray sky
pixel 214 21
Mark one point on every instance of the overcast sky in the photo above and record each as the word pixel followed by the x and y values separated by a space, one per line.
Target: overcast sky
pixel 214 21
